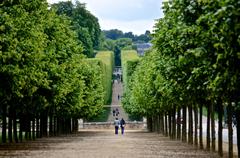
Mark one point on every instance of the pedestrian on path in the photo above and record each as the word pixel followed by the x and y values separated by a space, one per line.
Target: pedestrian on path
pixel 116 124
pixel 122 124
pixel 117 112
pixel 114 112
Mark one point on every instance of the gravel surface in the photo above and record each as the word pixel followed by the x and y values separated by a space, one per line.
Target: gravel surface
pixel 104 144
pixel 117 89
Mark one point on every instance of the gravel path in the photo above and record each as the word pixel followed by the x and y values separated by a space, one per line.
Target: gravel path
pixel 116 103
pixel 104 144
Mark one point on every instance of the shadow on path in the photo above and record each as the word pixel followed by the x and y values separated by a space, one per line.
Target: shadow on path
pixel 104 144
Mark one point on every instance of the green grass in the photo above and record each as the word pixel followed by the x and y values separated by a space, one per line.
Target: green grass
pixel 102 117
pixel 135 118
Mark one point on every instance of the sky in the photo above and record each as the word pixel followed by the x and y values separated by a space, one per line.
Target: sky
pixel 135 16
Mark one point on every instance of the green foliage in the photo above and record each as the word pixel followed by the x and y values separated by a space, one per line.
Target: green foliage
pixel 124 43
pixel 42 66
pixel 83 22
pixel 106 57
pixel 22 50
pixel 116 34
pixel 101 117
pixel 129 60
pixel 195 53
pixel 116 46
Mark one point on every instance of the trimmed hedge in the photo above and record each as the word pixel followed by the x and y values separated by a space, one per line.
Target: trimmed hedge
pixel 129 60
pixel 106 57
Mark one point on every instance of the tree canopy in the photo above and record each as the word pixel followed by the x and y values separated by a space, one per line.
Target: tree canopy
pixel 83 22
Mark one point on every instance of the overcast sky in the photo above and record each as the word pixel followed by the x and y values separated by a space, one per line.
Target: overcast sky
pixel 136 16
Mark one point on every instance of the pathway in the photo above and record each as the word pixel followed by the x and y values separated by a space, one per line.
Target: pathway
pixel 104 144
pixel 116 102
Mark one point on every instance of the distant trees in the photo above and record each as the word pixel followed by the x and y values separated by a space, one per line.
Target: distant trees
pixel 115 34
pixel 116 41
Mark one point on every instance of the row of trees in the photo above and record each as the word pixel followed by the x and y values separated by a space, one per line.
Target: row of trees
pixel 46 83
pixel 194 63
pixel 115 34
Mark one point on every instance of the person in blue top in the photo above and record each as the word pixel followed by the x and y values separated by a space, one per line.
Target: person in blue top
pixel 122 125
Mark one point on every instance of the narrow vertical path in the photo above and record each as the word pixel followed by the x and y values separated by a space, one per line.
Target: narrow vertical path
pixel 117 92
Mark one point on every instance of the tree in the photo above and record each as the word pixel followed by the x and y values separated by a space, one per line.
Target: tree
pixel 83 22
pixel 113 34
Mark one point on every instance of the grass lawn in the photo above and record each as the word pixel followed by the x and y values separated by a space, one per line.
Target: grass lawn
pixel 102 117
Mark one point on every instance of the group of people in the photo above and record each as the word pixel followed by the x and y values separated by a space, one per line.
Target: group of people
pixel 116 112
pixel 119 124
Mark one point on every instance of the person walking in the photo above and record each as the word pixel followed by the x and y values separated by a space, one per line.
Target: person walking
pixel 117 112
pixel 122 125
pixel 114 112
pixel 116 124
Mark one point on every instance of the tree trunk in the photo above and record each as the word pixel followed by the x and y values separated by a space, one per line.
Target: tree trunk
pixel 220 127
pixel 213 127
pixel 166 124
pixel 158 123
pixel 51 124
pixel 162 124
pixel 26 126
pixel 200 127
pixel 21 128
pixel 179 123
pixel 230 131
pixel 184 125
pixel 238 130
pixel 174 122
pixel 58 125
pixel 208 127
pixel 38 135
pixel 149 124
pixel 33 129
pixel 169 124
pixel 190 125
pixel 15 127
pixel 154 123
pixel 64 125
pixel 55 126
pixel 30 130
pixel 4 124
pixel 43 124
pixel 70 125
pixel 196 125
pixel 10 127
pixel 76 125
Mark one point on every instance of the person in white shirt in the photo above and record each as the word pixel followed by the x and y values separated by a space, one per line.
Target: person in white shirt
pixel 116 124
